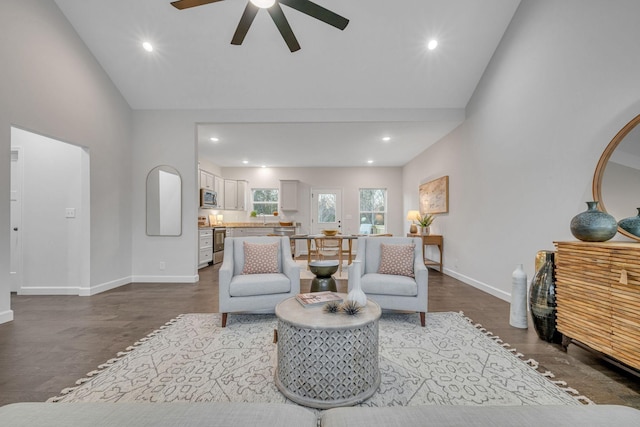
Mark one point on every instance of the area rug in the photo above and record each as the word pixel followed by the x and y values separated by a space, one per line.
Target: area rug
pixel 192 359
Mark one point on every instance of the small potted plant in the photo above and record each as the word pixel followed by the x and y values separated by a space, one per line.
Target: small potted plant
pixel 424 221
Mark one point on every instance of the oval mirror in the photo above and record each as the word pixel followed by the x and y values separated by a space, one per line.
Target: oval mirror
pixel 164 202
pixel 617 177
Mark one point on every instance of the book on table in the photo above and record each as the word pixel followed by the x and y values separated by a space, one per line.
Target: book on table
pixel 317 298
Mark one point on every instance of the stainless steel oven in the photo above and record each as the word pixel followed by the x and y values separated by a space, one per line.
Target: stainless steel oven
pixel 218 244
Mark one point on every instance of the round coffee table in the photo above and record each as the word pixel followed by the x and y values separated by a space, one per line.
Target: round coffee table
pixel 327 360
pixel 323 271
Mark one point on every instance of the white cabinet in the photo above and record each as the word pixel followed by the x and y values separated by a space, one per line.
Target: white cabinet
pixel 206 180
pixel 205 247
pixel 289 195
pixel 218 187
pixel 242 195
pixel 235 194
pixel 230 194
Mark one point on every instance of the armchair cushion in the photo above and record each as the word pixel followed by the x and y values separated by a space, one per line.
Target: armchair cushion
pixel 260 258
pixel 259 284
pixel 386 284
pixel 396 260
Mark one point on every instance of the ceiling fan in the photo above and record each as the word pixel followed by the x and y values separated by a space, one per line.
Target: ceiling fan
pixel 273 7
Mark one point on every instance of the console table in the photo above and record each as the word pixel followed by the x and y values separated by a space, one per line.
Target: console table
pixel 431 240
pixel 598 297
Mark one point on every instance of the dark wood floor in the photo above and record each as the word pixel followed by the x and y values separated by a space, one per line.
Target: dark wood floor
pixel 54 340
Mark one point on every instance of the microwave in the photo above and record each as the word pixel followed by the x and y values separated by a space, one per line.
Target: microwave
pixel 208 198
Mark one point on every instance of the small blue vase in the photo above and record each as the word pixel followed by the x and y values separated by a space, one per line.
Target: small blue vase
pixel 631 224
pixel 593 225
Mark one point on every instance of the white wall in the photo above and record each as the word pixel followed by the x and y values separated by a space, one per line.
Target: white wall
pixel 55 248
pixel 561 84
pixel 53 86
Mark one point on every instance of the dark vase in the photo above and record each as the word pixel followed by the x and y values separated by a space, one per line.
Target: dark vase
pixel 542 301
pixel 593 225
pixel 631 224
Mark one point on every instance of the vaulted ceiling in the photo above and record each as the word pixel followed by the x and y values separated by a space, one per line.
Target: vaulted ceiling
pixel 378 64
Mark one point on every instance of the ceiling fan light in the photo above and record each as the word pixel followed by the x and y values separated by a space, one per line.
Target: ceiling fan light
pixel 263 4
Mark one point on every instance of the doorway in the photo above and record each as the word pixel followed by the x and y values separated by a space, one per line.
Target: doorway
pixel 50 216
pixel 326 209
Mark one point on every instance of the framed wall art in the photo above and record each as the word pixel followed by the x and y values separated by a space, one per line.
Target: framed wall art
pixel 434 196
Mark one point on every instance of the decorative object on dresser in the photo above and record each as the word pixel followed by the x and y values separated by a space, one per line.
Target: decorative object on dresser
pixel 593 225
pixel 598 298
pixel 631 224
pixel 542 301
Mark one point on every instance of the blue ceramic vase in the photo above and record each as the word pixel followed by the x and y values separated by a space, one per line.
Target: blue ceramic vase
pixel 631 224
pixel 593 225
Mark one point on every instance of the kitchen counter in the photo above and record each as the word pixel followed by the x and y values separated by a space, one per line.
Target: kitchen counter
pixel 257 224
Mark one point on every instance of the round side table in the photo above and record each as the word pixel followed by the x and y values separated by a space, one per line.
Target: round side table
pixel 327 360
pixel 323 271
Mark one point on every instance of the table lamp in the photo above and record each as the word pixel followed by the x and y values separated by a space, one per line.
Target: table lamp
pixel 411 216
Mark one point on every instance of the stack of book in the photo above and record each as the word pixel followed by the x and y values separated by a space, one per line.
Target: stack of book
pixel 317 298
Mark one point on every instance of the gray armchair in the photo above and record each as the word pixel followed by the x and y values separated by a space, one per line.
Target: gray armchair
pixel 394 292
pixel 255 292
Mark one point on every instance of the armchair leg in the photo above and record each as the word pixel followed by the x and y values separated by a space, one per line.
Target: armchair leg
pixel 224 320
pixel 422 318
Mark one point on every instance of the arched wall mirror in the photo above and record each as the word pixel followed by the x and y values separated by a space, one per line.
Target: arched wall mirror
pixel 164 202
pixel 616 182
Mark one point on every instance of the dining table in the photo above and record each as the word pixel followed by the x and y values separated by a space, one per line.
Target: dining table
pixel 339 237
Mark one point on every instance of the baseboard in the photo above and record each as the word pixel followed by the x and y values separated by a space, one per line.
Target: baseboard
pixel 103 287
pixel 479 285
pixel 46 290
pixel 6 316
pixel 165 279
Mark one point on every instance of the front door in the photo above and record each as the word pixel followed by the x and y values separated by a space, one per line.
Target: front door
pixel 326 209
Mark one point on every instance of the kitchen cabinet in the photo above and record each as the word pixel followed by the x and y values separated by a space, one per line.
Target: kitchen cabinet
pixel 235 194
pixel 206 180
pixel 289 195
pixel 205 247
pixel 218 186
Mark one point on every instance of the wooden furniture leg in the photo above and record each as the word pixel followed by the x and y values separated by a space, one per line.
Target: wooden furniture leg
pixel 224 320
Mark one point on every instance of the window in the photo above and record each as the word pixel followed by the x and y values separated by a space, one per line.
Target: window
pixel 265 200
pixel 373 210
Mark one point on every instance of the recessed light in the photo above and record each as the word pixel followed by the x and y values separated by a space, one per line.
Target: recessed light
pixel 386 139
pixel 433 43
pixel 214 139
pixel 147 46
pixel 263 166
pixel 246 162
pixel 263 4
pixel 369 161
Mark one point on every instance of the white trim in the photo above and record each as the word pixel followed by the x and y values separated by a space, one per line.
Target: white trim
pixel 165 279
pixel 103 287
pixel 479 285
pixel 6 316
pixel 47 290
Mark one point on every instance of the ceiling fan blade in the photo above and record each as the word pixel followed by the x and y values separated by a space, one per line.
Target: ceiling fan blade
pixel 325 15
pixel 186 4
pixel 283 26
pixel 246 20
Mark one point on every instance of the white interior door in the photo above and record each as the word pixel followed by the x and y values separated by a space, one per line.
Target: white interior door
pixel 326 209
pixel 15 269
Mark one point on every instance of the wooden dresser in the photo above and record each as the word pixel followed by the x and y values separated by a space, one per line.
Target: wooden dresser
pixel 598 297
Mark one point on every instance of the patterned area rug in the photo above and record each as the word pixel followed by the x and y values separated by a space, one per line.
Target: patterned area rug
pixel 193 359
